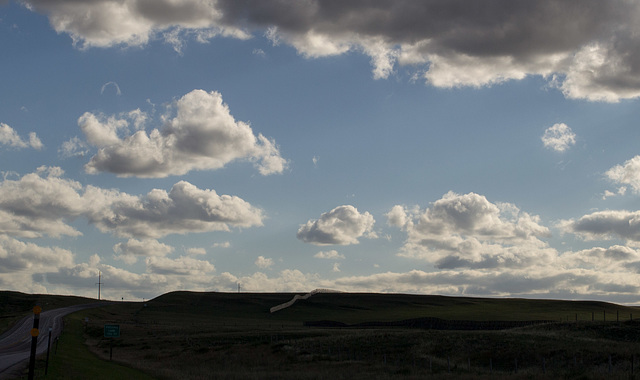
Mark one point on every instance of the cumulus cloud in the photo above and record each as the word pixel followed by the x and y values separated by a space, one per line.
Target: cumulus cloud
pixel 44 203
pixel 197 251
pixel 16 255
pixel 626 174
pixel 184 209
pixel 330 255
pixel 605 225
pixel 74 147
pixel 558 137
pixel 469 231
pixel 183 266
pixel 588 49
pixel 40 203
pixel 203 135
pixel 130 250
pixel 132 23
pixel 264 262
pixel 343 226
pixel 9 137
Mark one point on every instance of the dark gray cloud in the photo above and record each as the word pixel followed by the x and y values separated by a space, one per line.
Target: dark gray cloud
pixel 588 48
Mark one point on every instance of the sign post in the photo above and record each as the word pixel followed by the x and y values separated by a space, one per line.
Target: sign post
pixel 34 340
pixel 111 331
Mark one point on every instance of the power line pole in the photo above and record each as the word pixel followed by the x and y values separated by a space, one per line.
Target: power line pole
pixel 99 283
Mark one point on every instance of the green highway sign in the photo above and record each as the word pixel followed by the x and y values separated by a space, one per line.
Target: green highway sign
pixel 111 331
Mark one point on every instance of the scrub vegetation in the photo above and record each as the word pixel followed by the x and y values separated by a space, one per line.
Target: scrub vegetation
pixel 186 335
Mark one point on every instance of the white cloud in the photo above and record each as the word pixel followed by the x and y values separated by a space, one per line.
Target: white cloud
pixel 133 23
pixel 183 266
pixel 114 84
pixel 558 137
pixel 132 249
pixel 336 267
pixel 224 244
pixel 43 203
pixel 605 225
pixel 8 136
pixel 184 209
pixel 264 263
pixel 16 256
pixel 626 174
pixel 203 135
pixel 469 231
pixel 397 216
pixel 74 147
pixel 40 203
pixel 197 251
pixel 330 255
pixel 343 225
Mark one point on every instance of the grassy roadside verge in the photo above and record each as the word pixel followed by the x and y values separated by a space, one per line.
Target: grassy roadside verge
pixel 73 360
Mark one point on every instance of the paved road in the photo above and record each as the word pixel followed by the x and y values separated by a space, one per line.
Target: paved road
pixel 15 344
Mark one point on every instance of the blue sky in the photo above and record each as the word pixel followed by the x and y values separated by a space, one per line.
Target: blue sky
pixel 417 147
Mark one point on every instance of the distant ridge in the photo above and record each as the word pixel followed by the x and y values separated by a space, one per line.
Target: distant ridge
pixel 299 297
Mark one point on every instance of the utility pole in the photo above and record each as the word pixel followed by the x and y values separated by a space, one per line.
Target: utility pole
pixel 238 287
pixel 99 283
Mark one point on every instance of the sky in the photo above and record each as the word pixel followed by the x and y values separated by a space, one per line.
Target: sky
pixel 459 148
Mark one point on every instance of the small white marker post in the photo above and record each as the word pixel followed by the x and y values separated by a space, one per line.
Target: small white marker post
pixel 46 367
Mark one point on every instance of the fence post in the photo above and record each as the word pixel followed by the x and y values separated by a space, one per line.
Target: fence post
pixel 609 363
pixel 544 365
pixel 490 365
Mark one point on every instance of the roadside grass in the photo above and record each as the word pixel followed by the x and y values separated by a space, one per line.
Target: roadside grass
pixel 16 305
pixel 71 359
pixel 188 335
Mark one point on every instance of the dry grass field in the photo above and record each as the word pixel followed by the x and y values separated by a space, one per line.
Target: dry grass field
pixel 184 335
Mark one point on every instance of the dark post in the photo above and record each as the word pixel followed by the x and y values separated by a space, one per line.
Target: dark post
pixel 110 348
pixel 34 340
pixel 592 316
pixel 46 367
pixel 604 315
